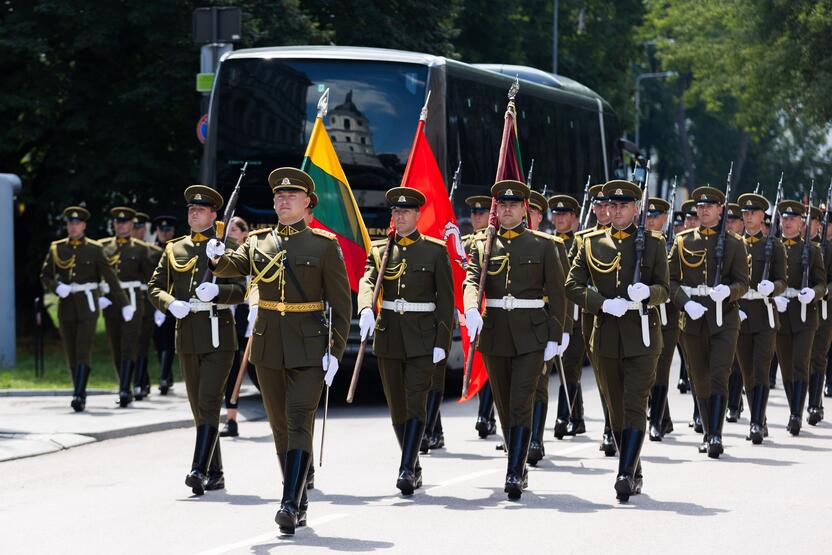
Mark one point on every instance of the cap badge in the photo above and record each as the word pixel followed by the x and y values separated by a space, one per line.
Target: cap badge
pixel 198 196
pixel 703 197
pixel 652 206
pixel 402 199
pixel 560 204
pixel 509 192
pixel 74 214
pixel 619 192
pixel 121 214
pixel 285 181
pixel 477 205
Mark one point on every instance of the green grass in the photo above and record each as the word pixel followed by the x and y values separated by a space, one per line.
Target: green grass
pixel 55 369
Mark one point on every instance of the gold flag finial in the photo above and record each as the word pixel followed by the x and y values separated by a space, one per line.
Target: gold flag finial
pixel 514 89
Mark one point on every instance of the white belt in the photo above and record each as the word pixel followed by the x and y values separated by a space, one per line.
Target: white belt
pixel 401 306
pixel 754 295
pixel 576 312
pixel 200 306
pixel 791 293
pixel 86 288
pixel 131 287
pixel 143 287
pixel 698 291
pixel 510 303
pixel 105 287
pixel 663 312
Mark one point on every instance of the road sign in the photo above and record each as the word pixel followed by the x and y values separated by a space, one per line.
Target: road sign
pixel 202 128
pixel 204 82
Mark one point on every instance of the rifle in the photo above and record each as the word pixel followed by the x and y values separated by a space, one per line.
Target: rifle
pixel 230 208
pixel 669 232
pixel 326 399
pixel 824 244
pixel 639 245
pixel 584 203
pixel 491 229
pixel 804 254
pixel 455 181
pixel 768 250
pixel 720 242
pixel 757 189
pixel 531 173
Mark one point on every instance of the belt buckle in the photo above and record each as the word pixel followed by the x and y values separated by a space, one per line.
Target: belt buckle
pixel 508 302
pixel 399 305
pixel 281 306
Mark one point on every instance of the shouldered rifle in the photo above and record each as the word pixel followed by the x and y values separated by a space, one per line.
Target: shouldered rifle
pixel 804 253
pixel 455 182
pixel 824 244
pixel 531 173
pixel 584 204
pixel 230 208
pixel 641 233
pixel 720 241
pixel 669 232
pixel 775 219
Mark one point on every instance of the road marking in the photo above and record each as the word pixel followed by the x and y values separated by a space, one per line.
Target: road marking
pixel 463 478
pixel 272 535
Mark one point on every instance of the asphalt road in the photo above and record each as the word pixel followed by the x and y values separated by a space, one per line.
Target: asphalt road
pixel 127 495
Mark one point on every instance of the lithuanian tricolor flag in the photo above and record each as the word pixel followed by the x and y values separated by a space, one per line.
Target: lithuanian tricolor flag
pixel 337 210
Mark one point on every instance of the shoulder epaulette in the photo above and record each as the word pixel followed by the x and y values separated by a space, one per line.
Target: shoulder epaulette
pixel 324 233
pixel 176 239
pixel 434 240
pixel 153 247
pixel 259 231
pixel 686 231
pixel 735 235
pixel 594 232
pixel 94 242
pixel 61 241
pixel 379 242
pixel 106 240
pixel 583 232
pixel 657 234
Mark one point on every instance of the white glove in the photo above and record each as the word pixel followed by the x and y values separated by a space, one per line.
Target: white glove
pixel 564 344
pixel 638 292
pixel 104 302
pixel 615 307
pixel 330 368
pixel 438 355
pixel 765 288
pixel 214 248
pixel 159 318
pixel 63 290
pixel 179 309
pixel 806 295
pixel 127 312
pixel 366 323
pixel 252 316
pixel 104 287
pixel 207 291
pixel 473 321
pixel 782 303
pixel 695 310
pixel 550 351
pixel 743 316
pixel 720 293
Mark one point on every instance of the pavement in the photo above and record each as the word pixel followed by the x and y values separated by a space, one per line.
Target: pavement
pixel 34 422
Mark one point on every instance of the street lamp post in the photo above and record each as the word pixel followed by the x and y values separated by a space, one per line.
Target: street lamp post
pixel 639 78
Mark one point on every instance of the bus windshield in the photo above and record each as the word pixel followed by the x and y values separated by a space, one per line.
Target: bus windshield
pixel 264 110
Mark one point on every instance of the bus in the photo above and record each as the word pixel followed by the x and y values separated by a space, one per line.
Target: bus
pixel 264 103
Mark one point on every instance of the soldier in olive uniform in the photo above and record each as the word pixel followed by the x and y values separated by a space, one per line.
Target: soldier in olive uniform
pixel 710 313
pixel 823 337
pixel 537 208
pixel 165 331
pixel 141 383
pixel 799 308
pixel 626 336
pixel 691 220
pixel 129 258
pixel 600 208
pixel 735 385
pixel 413 329
pixel 298 271
pixel 760 319
pixel 73 268
pixel 524 275
pixel 480 208
pixel 205 337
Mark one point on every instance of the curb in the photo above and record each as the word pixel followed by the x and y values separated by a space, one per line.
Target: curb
pixel 51 392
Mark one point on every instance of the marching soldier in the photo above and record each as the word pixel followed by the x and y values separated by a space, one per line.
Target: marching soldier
pixel 735 404
pixel 710 319
pixel 760 319
pixel 684 384
pixel 413 329
pixel 73 268
pixel 799 320
pixel 298 271
pixel 205 337
pixel 537 208
pixel 691 217
pixel 480 207
pixel 823 337
pixel 660 422
pixel 691 221
pixel 129 258
pixel 518 333
pixel 626 342
pixel 141 385
pixel 601 210
pixel 165 331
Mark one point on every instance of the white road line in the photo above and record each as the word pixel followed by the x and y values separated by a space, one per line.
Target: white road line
pixel 463 478
pixel 272 535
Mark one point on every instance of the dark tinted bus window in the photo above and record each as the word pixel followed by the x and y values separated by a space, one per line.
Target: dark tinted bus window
pixel 265 110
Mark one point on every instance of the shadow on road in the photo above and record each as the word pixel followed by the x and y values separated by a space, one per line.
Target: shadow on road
pixel 306 537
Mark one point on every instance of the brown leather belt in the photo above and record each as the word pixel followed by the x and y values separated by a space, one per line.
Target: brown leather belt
pixel 291 307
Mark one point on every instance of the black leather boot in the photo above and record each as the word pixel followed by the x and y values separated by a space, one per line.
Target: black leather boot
pixel 165 371
pixel 79 395
pixel 310 474
pixel 485 425
pixel 607 439
pixel 628 462
pixel 576 424
pixel 658 401
pixel 536 449
pixel 138 378
pixel 216 477
pixel 206 439
pixel 517 477
pixel 798 398
pixel 755 400
pixel 408 479
pixel 684 381
pixel 696 421
pixel 815 409
pixel 772 372
pixel 145 380
pixel 827 390
pixel 432 411
pixel 734 397
pixel 125 376
pixel 701 406
pixel 437 438
pixel 562 419
pixel 294 485
pixel 717 405
pixel 667 421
